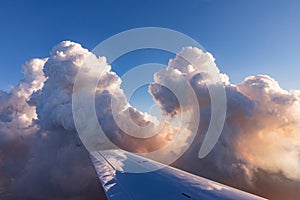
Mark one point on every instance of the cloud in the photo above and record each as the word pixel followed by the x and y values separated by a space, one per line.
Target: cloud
pixel 274 126
pixel 17 124
pixel 41 155
pixel 261 132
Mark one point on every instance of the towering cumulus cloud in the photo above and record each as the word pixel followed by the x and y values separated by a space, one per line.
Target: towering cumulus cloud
pixel 260 139
pixel 41 155
pixel 17 125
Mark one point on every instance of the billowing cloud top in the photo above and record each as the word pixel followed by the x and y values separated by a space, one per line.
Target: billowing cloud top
pixel 42 157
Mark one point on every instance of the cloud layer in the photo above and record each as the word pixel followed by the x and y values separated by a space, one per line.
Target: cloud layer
pixel 41 155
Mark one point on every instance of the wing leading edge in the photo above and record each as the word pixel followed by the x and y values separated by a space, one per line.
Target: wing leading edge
pixel 164 183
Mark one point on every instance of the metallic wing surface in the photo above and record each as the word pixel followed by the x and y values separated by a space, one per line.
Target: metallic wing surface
pixel 162 184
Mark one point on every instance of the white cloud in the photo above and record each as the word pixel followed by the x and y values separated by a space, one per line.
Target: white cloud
pixel 260 139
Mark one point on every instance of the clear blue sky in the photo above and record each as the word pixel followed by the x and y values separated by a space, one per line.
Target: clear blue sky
pixel 247 37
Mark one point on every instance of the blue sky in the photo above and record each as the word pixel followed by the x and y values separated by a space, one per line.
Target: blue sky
pixel 246 37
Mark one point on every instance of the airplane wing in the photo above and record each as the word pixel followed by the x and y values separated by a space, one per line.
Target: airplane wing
pixel 162 184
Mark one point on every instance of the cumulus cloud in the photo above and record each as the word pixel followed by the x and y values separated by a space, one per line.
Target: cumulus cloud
pixel 48 159
pixel 274 125
pixel 17 124
pixel 261 132
pixel 41 155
